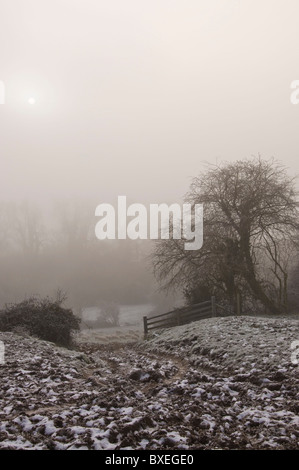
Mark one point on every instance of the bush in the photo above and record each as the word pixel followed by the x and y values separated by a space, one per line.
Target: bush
pixel 44 318
pixel 107 315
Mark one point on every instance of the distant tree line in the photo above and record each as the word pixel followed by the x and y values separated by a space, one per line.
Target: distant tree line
pixel 42 252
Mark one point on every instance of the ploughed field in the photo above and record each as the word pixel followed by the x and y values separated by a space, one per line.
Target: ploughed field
pixel 221 383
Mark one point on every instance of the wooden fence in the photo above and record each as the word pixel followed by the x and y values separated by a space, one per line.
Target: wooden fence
pixel 181 316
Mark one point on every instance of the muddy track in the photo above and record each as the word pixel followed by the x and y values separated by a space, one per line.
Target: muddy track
pixel 118 358
pixel 128 396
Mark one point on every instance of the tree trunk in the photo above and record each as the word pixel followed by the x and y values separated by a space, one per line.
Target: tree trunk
pixel 250 277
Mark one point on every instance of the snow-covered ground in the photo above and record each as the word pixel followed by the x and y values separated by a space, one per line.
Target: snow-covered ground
pixel 219 383
pixel 115 334
pixel 129 315
pixel 130 325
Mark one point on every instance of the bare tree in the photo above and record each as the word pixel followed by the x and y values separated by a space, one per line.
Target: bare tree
pixel 74 223
pixel 250 224
pixel 110 312
pixel 6 227
pixel 28 230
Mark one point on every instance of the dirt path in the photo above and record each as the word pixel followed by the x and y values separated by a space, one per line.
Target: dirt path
pixel 125 396
pixel 123 364
pixel 164 369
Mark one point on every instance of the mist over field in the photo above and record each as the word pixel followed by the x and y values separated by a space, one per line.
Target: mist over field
pixel 57 250
pixel 127 98
pixel 141 344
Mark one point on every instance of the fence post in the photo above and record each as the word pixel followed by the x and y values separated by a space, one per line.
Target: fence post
pixel 145 326
pixel 213 303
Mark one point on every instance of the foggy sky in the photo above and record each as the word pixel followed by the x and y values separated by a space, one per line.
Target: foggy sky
pixel 134 96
